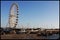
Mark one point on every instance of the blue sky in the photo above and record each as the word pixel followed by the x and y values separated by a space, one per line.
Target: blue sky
pixel 35 13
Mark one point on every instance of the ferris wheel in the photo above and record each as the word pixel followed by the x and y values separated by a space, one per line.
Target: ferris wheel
pixel 13 16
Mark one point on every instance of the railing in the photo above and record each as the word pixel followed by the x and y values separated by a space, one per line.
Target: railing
pixel 28 31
